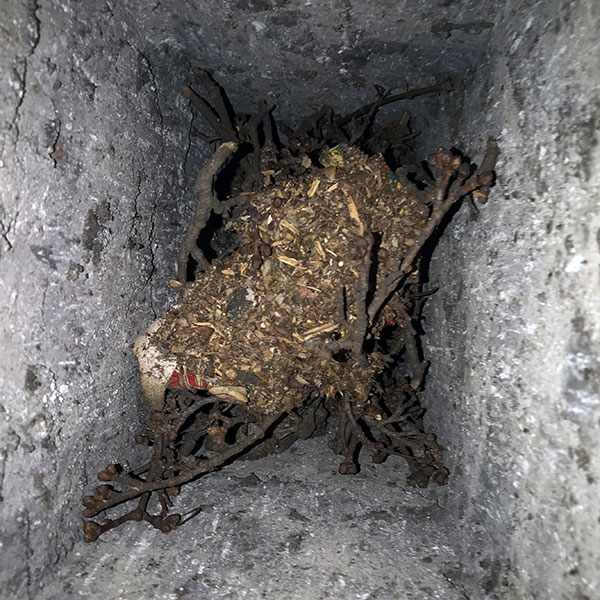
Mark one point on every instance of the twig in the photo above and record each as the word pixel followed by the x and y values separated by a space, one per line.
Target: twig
pixel 341 306
pixel 360 130
pixel 205 203
pixel 442 86
pixel 361 324
pixel 190 515
pixel 253 127
pixel 311 121
pixel 408 335
pixel 199 468
pixel 345 443
pixel 216 96
pixel 450 186
pixel 207 111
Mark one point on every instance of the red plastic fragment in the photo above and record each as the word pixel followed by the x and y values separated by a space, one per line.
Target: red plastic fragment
pixel 189 381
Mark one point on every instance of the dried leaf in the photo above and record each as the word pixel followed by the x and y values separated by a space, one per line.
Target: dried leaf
pixel 330 172
pixel 313 188
pixel 288 260
pixel 287 223
pixel 235 393
pixel 332 157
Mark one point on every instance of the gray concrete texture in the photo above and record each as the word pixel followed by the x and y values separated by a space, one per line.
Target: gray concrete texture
pixel 96 167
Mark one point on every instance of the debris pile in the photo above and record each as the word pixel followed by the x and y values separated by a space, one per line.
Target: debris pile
pixel 309 309
pixel 273 318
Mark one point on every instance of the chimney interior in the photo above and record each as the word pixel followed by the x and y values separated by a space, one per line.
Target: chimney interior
pixel 97 168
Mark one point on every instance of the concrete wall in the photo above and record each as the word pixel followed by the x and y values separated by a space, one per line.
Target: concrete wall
pixel 514 331
pixel 95 174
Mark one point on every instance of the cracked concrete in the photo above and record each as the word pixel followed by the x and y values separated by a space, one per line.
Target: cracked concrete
pixel 77 281
pixel 96 173
pixel 33 31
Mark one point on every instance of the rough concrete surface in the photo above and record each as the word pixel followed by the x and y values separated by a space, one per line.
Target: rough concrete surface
pixel 514 334
pixel 89 213
pixel 287 526
pixel 96 166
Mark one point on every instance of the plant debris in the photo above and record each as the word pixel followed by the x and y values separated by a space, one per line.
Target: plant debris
pixel 308 309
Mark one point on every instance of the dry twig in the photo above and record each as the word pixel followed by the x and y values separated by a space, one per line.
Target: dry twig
pixel 206 202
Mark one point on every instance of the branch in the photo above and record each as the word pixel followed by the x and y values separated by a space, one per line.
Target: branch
pixel 360 129
pixel 207 111
pixel 217 97
pixel 452 183
pixel 206 202
pixel 97 504
pixel 253 126
pixel 441 86
pixel 361 325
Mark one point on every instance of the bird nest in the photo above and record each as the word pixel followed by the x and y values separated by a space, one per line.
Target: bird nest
pixel 270 321
pixel 309 310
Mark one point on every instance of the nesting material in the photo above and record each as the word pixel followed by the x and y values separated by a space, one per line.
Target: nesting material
pixel 264 321
pixel 287 325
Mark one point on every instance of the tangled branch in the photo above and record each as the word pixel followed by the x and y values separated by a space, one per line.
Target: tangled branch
pixel 172 462
pixel 195 431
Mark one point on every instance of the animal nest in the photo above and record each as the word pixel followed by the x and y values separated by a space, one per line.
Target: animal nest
pixel 310 309
pixel 269 322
